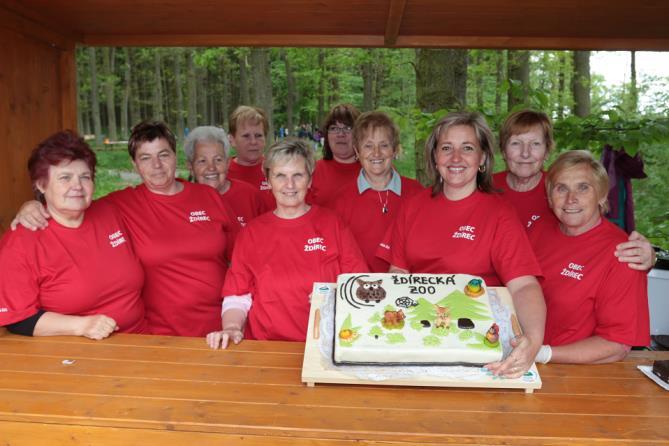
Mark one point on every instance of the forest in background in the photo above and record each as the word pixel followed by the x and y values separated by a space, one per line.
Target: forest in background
pixel 187 87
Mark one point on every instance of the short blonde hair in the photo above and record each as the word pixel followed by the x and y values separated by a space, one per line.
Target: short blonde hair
pixel 245 113
pixel 371 120
pixel 288 149
pixel 573 158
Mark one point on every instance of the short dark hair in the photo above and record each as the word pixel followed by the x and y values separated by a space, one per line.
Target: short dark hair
pixel 65 145
pixel 344 113
pixel 147 131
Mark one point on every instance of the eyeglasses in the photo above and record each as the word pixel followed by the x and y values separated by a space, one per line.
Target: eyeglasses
pixel 334 129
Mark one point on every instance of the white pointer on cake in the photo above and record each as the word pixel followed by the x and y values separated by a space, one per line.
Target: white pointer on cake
pixel 422 319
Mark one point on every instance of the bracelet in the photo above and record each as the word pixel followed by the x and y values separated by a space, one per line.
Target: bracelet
pixel 544 354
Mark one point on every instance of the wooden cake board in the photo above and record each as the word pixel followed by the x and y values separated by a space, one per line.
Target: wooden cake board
pixel 318 369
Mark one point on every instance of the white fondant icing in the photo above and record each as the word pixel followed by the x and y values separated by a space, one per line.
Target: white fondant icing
pixel 429 334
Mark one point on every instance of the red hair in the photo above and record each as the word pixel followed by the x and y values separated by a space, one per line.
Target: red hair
pixel 62 146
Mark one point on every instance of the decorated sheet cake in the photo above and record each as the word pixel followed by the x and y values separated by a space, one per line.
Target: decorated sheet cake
pixel 414 319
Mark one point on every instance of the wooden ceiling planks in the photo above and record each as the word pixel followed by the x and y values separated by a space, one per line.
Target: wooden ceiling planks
pixel 558 24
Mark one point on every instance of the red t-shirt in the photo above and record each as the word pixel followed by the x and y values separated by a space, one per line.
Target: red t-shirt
pixel 183 242
pixel 478 235
pixel 245 201
pixel 329 177
pixel 278 260
pixel 588 291
pixel 254 176
pixel 80 271
pixel 531 206
pixel 363 215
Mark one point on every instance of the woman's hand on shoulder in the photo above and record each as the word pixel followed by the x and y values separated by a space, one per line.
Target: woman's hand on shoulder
pixel 220 339
pixel 637 252
pixel 97 326
pixel 32 215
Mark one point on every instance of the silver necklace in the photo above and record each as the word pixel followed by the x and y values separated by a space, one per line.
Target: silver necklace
pixel 384 204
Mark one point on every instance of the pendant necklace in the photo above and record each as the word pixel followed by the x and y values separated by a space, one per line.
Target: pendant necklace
pixel 384 204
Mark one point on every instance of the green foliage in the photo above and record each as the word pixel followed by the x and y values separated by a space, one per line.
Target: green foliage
pixel 376 331
pixel 431 341
pixel 395 338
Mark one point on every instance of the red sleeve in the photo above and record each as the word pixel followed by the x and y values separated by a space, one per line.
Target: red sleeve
pixel 621 306
pixel 239 279
pixel 19 282
pixel 512 254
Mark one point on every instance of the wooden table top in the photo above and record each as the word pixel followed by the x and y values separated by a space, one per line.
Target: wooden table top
pixel 158 390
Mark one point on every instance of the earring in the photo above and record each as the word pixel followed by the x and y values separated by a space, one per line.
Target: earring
pixel 482 168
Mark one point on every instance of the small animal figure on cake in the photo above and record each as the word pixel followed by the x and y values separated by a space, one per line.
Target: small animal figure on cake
pixel 370 290
pixel 474 288
pixel 492 336
pixel 443 319
pixel 393 319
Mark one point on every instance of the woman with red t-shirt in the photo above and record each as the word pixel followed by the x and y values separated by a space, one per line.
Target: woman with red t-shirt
pixel 368 205
pixel 339 165
pixel 182 233
pixel 280 254
pixel 207 154
pixel 460 226
pixel 526 140
pixel 80 276
pixel 597 307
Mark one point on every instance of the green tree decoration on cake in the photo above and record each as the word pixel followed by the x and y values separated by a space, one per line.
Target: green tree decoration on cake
pixel 463 306
pixel 376 317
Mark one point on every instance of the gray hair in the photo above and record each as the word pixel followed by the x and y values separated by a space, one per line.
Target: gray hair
pixel 206 133
pixel 289 149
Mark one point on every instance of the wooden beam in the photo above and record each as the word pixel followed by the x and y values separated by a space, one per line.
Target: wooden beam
pixel 256 40
pixel 31 29
pixel 395 14
pixel 536 43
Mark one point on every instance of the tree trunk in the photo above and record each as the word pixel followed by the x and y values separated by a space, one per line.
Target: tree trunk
pixel 634 93
pixel 290 89
pixel 499 79
pixel 108 73
pixel 518 68
pixel 202 94
pixel 321 87
pixel 125 101
pixel 179 106
pixel 158 112
pixel 134 113
pixel 367 70
pixel 441 82
pixel 225 96
pixel 244 94
pixel 581 83
pixel 478 80
pixel 262 86
pixel 95 104
pixel 380 72
pixel 191 90
pixel 562 93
